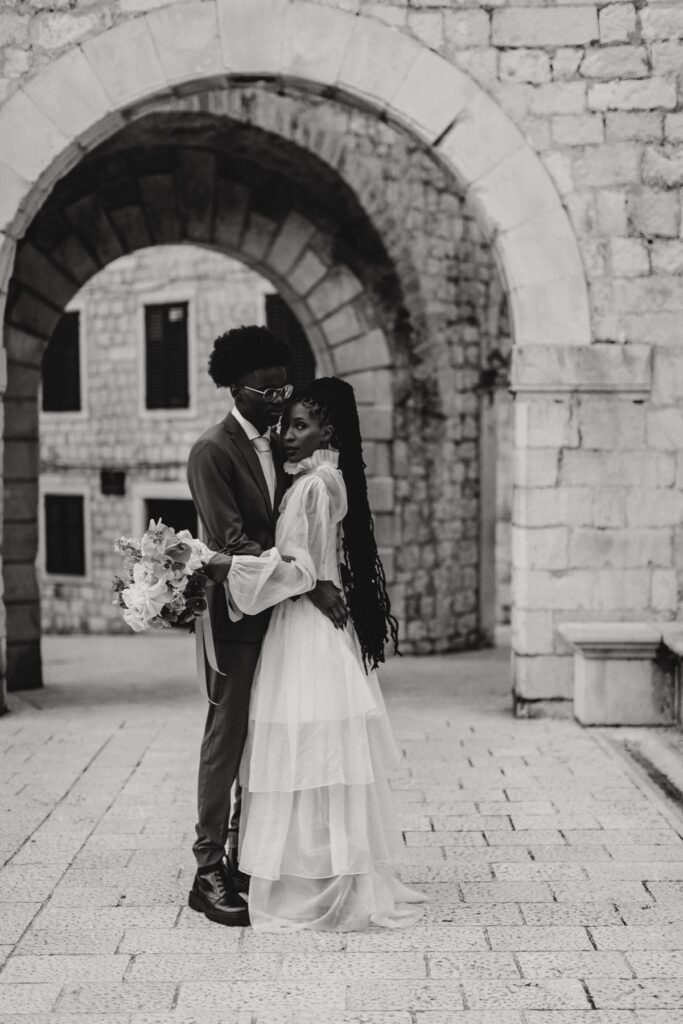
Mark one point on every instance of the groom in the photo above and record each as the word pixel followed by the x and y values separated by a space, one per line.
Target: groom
pixel 237 482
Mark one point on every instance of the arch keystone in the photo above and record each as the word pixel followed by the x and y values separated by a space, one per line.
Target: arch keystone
pixel 184 53
pixel 432 93
pixel 251 33
pixel 126 62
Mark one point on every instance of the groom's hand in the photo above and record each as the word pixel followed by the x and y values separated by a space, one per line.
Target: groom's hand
pixel 329 600
pixel 218 567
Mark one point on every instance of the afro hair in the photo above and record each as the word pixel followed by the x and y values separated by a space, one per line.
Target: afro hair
pixel 242 350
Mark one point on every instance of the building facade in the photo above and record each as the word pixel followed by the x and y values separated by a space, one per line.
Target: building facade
pixel 407 175
pixel 125 392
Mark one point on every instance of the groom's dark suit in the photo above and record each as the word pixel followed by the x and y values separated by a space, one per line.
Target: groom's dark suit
pixel 231 494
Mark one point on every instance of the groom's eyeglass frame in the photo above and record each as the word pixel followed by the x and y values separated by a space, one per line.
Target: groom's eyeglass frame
pixel 273 394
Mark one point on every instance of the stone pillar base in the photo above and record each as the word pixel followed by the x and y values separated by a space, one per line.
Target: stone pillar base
pixel 24 666
pixel 618 679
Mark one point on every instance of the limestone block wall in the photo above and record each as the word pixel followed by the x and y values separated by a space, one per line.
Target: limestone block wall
pixel 586 93
pixel 113 431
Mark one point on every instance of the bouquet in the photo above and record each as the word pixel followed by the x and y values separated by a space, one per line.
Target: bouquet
pixel 164 582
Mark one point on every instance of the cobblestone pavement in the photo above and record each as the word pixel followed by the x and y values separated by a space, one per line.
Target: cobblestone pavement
pixel 555 875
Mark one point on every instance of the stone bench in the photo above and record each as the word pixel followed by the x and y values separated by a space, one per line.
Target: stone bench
pixel 625 673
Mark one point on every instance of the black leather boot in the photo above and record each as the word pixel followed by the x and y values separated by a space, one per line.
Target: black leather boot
pixel 240 880
pixel 213 895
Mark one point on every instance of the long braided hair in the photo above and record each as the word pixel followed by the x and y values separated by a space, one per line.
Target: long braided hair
pixel 333 402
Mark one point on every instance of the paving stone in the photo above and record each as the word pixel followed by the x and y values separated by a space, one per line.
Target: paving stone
pixel 527 837
pixel 582 1017
pixel 15 918
pixel 637 993
pixel 660 854
pixel 635 937
pixel 470 823
pixel 211 997
pixel 25 999
pixel 570 854
pixel 119 918
pixel 42 941
pixel 561 914
pixel 656 964
pixel 425 939
pixel 652 871
pixel 65 969
pixel 616 891
pixel 181 941
pixel 405 995
pixel 629 837
pixel 581 964
pixel 472 965
pixel 539 938
pixel 506 892
pixel 351 966
pixel 122 998
pixel 547 872
pixel 560 993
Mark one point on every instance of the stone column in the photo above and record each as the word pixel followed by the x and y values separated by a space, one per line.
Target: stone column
pixel 20 511
pixel 580 451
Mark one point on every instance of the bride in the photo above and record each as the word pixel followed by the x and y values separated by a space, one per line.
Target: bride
pixel 317 833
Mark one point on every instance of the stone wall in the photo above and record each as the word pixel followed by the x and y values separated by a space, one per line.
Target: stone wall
pixel 595 91
pixel 113 431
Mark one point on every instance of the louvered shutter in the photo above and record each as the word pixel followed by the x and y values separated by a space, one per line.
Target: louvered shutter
pixel 61 367
pixel 281 321
pixel 64 534
pixel 166 356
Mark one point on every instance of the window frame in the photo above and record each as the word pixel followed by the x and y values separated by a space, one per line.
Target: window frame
pixel 71 415
pixel 60 486
pixel 171 295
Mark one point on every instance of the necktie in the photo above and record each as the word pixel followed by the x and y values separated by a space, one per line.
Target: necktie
pixel 262 447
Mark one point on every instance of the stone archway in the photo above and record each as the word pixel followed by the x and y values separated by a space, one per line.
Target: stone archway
pixel 192 203
pixel 83 96
pixel 88 94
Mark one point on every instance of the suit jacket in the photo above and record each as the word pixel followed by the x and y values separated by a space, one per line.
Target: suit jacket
pixel 231 494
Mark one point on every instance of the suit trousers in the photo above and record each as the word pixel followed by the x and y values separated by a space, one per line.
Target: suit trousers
pixel 225 734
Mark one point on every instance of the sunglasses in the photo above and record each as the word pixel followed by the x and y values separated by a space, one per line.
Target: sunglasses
pixel 273 394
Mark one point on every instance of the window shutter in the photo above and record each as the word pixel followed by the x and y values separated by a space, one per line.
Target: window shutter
pixel 282 322
pixel 166 355
pixel 62 367
pixel 64 534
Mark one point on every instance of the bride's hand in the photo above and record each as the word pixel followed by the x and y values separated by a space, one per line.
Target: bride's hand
pixel 218 567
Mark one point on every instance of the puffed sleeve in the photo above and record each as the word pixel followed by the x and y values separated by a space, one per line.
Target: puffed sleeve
pixel 257 583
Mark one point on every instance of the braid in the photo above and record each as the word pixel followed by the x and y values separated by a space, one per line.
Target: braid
pixel 334 403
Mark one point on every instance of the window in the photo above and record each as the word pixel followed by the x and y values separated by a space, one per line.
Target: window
pixel 176 512
pixel 62 367
pixel 166 356
pixel 281 321
pixel 64 534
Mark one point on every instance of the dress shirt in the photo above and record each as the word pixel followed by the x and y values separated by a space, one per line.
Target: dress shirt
pixel 261 445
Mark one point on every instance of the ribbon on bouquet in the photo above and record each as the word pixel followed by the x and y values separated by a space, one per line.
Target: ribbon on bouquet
pixel 205 650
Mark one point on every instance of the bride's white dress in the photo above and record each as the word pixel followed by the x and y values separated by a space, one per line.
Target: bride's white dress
pixel 318 832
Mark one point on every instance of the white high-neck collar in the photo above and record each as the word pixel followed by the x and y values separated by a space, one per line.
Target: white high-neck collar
pixel 321 457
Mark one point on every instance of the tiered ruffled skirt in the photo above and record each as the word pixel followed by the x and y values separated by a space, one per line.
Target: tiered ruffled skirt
pixel 318 831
